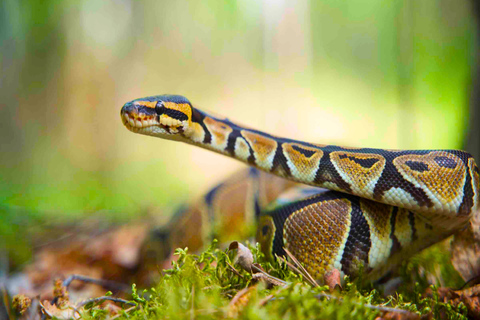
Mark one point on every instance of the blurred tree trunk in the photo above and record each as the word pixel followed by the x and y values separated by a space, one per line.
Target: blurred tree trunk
pixel 473 136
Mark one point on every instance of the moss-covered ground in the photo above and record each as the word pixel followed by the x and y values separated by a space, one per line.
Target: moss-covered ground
pixel 204 286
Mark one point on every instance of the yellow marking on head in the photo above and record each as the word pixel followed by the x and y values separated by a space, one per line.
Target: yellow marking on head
pixel 303 161
pixel 317 233
pixel 220 132
pixel 360 170
pixel 185 108
pixel 264 149
pixel 169 121
pixel 148 104
pixel 438 173
pixel 265 234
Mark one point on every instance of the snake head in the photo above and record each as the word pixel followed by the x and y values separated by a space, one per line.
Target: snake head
pixel 163 116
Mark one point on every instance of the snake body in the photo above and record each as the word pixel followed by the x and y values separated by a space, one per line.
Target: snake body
pixel 380 206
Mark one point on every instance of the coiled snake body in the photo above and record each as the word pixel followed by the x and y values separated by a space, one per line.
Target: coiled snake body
pixel 380 206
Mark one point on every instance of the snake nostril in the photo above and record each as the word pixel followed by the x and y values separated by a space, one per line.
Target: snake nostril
pixel 129 108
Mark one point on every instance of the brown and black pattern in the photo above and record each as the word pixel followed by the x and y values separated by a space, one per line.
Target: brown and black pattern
pixel 396 245
pixel 361 171
pixel 302 160
pixel 420 194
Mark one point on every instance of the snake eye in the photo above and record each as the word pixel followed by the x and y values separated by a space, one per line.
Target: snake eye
pixel 160 108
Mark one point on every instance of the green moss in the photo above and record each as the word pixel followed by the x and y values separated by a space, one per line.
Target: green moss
pixel 203 286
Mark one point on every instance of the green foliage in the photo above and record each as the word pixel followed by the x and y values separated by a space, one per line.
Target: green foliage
pixel 204 287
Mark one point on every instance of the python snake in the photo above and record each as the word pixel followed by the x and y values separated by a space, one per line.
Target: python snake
pixel 380 207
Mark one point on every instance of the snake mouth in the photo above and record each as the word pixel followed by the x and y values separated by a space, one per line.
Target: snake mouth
pixel 139 121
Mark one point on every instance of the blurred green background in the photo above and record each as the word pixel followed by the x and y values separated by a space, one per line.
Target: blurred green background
pixel 388 74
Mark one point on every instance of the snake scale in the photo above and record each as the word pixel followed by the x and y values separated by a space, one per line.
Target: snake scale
pixel 370 208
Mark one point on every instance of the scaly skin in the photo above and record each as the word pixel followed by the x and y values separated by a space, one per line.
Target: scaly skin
pixel 402 200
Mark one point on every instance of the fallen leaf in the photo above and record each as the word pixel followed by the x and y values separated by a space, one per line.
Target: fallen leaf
pixel 244 256
pixel 469 297
pixel 399 316
pixel 239 301
pixel 333 280
pixel 112 253
pixel 63 313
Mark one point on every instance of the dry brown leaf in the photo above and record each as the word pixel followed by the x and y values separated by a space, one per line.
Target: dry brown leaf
pixel 244 256
pixel 65 312
pixel 333 280
pixel 111 254
pixel 466 249
pixel 120 246
pixel 399 316
pixel 239 301
pixel 469 297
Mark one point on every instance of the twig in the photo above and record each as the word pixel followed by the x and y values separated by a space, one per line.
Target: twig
pixel 291 266
pixel 234 270
pixel 104 298
pixel 125 311
pixel 299 265
pixel 104 283
pixel 264 301
pixel 272 278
